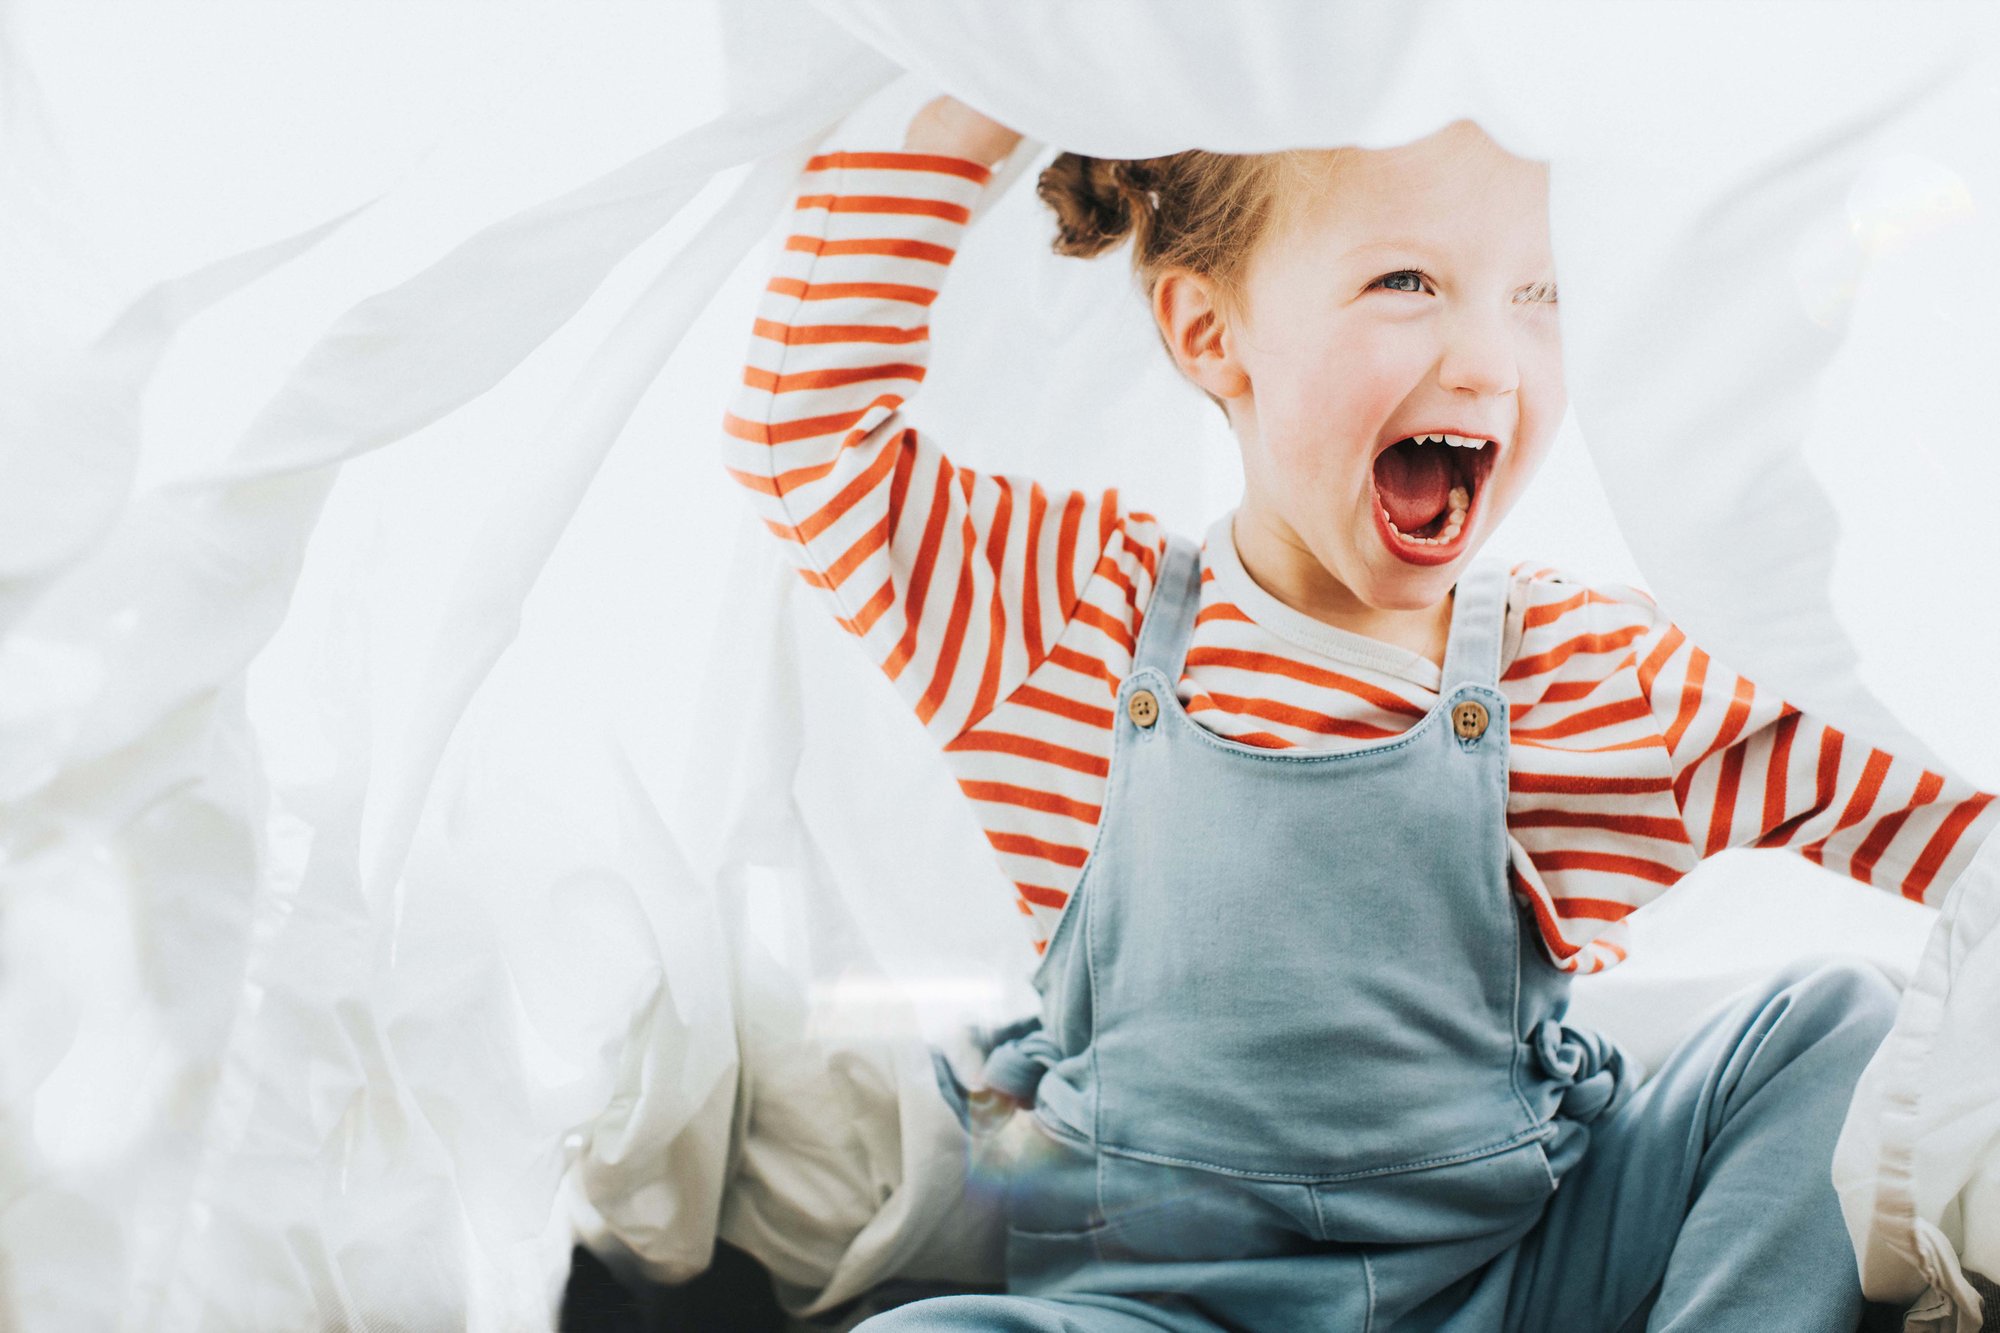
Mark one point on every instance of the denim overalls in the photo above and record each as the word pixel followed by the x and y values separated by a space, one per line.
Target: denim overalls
pixel 1302 1061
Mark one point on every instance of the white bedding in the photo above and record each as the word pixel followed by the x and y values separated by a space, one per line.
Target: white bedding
pixel 370 914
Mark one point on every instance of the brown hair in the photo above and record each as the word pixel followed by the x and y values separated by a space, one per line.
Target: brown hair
pixel 1196 209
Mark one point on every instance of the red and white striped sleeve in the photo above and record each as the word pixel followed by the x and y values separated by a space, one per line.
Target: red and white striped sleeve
pixel 957 583
pixel 1751 770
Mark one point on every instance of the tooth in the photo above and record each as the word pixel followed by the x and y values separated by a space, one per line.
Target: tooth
pixel 1461 499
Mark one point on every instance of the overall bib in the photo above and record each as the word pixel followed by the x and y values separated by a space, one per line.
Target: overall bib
pixel 1301 1062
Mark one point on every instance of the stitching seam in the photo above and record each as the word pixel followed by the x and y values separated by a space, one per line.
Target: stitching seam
pixel 1493 1149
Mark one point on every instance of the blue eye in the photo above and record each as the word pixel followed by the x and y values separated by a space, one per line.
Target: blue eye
pixel 1422 278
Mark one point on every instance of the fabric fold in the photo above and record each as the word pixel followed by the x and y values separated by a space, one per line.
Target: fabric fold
pixel 1593 1071
pixel 380 979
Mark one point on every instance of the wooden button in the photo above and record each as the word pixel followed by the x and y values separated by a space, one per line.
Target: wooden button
pixel 1144 708
pixel 1469 719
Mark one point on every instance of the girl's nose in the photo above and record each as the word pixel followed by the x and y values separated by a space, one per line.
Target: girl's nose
pixel 1479 353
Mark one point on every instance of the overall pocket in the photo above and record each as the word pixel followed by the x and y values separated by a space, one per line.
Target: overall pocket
pixel 1450 1200
pixel 1157 1212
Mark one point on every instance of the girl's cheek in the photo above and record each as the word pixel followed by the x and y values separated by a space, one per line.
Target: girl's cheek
pixel 1306 460
pixel 1366 383
pixel 1548 359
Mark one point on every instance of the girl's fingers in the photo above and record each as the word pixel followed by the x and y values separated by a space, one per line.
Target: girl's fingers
pixel 948 126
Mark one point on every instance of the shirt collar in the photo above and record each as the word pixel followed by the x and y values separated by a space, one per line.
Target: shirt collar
pixel 1233 582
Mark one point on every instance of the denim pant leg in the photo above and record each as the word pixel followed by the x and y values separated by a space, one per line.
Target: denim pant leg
pixel 1082 1313
pixel 1707 1201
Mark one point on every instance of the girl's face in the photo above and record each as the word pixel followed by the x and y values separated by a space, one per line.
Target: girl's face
pixel 1414 295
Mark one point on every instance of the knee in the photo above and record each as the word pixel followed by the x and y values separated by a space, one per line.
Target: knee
pixel 911 1315
pixel 1847 996
pixel 903 1318
pixel 987 1313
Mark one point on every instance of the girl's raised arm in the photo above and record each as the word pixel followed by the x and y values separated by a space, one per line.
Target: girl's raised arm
pixel 958 584
pixel 1637 756
pixel 1751 770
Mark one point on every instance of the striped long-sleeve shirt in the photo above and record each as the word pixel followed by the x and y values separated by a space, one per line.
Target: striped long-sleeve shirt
pixel 1006 612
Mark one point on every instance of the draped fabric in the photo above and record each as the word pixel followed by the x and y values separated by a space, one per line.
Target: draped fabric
pixel 326 1001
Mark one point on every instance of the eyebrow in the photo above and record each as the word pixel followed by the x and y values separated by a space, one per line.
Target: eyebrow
pixel 1385 245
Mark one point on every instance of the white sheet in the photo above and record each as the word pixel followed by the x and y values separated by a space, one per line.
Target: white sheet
pixel 347 948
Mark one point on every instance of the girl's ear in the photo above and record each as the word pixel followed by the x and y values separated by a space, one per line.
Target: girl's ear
pixel 1198 334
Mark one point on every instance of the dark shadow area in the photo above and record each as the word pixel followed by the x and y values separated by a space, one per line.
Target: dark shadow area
pixel 732 1296
pixel 1989 1292
pixel 1881 1319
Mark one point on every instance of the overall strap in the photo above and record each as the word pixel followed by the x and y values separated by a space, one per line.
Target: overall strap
pixel 1169 617
pixel 1478 620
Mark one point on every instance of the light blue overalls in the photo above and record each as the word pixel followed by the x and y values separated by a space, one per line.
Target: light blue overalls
pixel 1302 1062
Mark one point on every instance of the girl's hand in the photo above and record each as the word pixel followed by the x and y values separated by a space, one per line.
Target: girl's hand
pixel 949 127
pixel 990 1108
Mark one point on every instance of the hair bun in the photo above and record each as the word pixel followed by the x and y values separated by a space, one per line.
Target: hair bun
pixel 1098 201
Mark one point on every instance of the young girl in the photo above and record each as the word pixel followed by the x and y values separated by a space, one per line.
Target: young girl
pixel 1312 822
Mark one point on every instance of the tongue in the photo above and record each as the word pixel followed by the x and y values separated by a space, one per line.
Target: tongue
pixel 1415 483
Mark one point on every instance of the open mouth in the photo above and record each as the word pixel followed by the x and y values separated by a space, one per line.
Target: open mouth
pixel 1426 488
